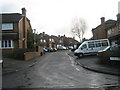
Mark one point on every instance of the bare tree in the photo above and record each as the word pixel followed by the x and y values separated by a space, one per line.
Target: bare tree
pixel 79 27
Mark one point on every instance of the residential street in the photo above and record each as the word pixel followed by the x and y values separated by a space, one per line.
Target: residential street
pixel 58 70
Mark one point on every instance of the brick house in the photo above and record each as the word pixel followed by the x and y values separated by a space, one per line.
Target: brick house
pixel 53 41
pixel 105 30
pixel 113 32
pixel 43 40
pixel 49 40
pixel 14 30
pixel 99 32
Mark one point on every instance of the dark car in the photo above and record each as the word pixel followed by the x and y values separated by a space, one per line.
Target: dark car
pixel 110 53
pixel 49 49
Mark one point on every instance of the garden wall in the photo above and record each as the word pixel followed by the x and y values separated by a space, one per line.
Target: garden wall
pixel 31 55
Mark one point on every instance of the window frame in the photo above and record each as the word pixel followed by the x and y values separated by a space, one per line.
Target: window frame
pixel 7 26
pixel 6 44
pixel 109 31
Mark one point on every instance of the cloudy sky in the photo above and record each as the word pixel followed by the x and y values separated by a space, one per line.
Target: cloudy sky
pixel 55 16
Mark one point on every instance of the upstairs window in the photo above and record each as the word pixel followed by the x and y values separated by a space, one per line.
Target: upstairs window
pixel 7 26
pixel 109 31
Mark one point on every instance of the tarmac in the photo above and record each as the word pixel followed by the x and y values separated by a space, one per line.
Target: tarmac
pixel 89 62
pixel 93 63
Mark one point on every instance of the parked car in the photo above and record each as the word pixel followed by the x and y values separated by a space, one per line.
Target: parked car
pixel 49 49
pixel 70 47
pixel 91 47
pixel 110 53
pixel 45 49
pixel 62 48
pixel 54 49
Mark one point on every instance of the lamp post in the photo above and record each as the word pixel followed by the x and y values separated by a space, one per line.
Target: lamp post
pixel 34 39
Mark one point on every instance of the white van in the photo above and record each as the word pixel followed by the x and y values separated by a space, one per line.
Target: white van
pixel 91 47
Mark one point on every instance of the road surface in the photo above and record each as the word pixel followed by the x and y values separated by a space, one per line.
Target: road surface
pixel 58 70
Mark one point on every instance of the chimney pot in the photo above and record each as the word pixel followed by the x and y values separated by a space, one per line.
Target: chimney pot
pixel 24 11
pixel 102 20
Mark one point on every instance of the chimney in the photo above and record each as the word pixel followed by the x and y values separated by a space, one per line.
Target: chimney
pixel 24 11
pixel 59 36
pixel 118 15
pixel 24 28
pixel 102 20
pixel 43 33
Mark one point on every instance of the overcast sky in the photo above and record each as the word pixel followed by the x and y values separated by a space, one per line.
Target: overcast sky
pixel 55 16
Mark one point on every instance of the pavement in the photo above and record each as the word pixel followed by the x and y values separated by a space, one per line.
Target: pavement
pixel 89 62
pixel 12 65
pixel 92 63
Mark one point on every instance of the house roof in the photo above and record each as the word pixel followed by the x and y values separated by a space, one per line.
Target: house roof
pixel 11 17
pixel 110 21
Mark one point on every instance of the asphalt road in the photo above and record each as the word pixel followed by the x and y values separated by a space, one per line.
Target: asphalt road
pixel 57 70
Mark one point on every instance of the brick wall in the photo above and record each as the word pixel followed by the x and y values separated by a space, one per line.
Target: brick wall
pixel 100 32
pixel 7 51
pixel 31 55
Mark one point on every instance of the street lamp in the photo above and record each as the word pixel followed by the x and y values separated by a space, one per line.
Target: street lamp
pixel 34 39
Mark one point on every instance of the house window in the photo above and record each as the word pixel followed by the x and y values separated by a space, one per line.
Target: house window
pixel 7 26
pixel 119 27
pixel 5 44
pixel 109 31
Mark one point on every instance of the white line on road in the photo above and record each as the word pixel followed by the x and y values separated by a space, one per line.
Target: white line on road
pixel 72 62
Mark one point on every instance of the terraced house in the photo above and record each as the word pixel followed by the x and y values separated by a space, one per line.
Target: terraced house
pixel 14 30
